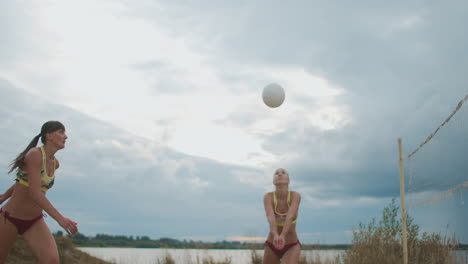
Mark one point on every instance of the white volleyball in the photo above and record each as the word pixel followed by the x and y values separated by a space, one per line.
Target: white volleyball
pixel 273 95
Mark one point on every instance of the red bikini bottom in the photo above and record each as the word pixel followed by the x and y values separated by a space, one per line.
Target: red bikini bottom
pixel 281 252
pixel 21 225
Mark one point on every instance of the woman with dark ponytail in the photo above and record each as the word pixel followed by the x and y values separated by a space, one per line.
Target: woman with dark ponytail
pixel 23 213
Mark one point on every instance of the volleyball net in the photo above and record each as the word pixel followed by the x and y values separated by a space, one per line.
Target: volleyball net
pixel 437 177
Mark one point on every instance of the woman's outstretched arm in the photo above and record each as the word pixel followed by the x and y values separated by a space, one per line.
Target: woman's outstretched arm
pixel 267 202
pixel 270 214
pixel 292 212
pixel 7 194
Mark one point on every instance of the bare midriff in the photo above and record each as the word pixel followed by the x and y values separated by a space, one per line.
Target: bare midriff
pixel 290 237
pixel 21 205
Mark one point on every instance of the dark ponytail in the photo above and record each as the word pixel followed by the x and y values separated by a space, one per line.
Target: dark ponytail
pixel 47 127
pixel 19 161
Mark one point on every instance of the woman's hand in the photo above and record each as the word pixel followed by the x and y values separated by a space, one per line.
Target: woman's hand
pixel 69 225
pixel 278 241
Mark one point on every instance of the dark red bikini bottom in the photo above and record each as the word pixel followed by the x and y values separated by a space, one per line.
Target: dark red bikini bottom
pixel 280 252
pixel 21 225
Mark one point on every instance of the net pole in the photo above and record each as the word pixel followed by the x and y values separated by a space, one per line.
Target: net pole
pixel 403 204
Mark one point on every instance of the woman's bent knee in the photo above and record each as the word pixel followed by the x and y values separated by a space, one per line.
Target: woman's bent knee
pixel 49 259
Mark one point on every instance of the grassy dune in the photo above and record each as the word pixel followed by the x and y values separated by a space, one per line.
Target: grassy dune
pixel 69 254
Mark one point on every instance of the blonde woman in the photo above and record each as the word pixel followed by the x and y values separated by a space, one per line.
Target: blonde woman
pixel 23 213
pixel 281 208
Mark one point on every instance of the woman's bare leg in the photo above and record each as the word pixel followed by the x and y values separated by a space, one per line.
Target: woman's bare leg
pixel 292 255
pixel 7 238
pixel 42 243
pixel 269 257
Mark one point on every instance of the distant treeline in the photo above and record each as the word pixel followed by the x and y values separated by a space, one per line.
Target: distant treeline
pixel 103 240
pixel 463 246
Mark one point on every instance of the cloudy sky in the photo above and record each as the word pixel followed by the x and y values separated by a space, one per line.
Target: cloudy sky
pixel 169 137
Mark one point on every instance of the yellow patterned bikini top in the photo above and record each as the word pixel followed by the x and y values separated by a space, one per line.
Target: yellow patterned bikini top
pixel 46 181
pixel 281 218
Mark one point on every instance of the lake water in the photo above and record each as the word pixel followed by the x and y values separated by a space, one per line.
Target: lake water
pixel 188 256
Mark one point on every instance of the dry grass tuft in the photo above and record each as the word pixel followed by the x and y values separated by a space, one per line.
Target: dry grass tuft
pixel 255 257
pixel 20 253
pixel 168 259
pixel 381 243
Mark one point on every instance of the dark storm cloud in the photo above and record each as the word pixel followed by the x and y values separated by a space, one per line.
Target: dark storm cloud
pixel 402 66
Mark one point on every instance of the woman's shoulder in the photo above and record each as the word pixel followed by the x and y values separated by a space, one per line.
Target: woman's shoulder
pixel 296 194
pixel 268 195
pixel 33 153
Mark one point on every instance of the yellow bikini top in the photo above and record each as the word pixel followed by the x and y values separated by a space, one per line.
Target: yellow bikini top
pixel 46 181
pixel 281 218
